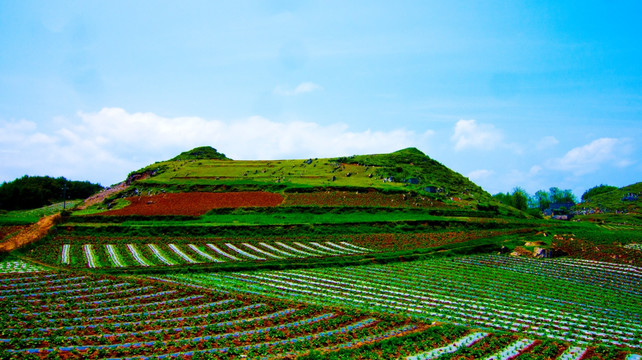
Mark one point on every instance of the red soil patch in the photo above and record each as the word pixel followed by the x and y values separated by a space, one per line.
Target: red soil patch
pixel 194 203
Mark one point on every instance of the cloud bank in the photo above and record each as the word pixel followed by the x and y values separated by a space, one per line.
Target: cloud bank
pixel 104 146
pixel 591 157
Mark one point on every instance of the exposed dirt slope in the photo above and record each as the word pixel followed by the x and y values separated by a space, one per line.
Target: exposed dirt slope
pixel 30 234
pixel 97 198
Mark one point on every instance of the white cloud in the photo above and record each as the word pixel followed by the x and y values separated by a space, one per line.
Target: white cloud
pixel 535 169
pixel 470 135
pixel 302 88
pixel 546 142
pixel 480 174
pixel 591 157
pixel 106 145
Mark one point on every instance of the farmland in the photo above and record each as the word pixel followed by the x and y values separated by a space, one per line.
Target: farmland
pixel 79 315
pixel 571 300
pixel 317 258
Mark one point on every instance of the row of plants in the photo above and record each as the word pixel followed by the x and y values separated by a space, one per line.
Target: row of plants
pixel 182 229
pixel 284 215
pixel 618 277
pixel 373 241
pixel 121 255
pixel 534 303
pixel 86 316
pixel 83 316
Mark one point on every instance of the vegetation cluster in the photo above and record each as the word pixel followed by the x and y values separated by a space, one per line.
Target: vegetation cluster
pixel 30 192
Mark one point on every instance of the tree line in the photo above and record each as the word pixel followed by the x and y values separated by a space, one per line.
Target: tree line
pixel 31 192
pixel 540 201
pixel 543 199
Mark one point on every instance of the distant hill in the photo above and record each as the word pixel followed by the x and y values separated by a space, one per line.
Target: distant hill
pixel 405 170
pixel 627 198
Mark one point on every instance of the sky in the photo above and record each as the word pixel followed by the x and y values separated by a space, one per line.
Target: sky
pixel 530 94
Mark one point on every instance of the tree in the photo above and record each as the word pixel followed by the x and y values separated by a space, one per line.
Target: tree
pixel 542 200
pixel 505 199
pixel 520 199
pixel 561 196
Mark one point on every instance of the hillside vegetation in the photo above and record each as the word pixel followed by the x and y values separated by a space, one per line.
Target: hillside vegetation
pixel 31 192
pixel 611 199
pixel 401 171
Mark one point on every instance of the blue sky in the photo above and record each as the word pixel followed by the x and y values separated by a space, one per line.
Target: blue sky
pixel 522 93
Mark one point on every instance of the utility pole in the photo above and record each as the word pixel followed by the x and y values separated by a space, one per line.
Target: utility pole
pixel 64 197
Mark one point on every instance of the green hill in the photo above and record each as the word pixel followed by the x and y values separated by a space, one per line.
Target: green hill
pixel 407 170
pixel 627 198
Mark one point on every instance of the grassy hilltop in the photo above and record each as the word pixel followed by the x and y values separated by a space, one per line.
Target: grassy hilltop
pixel 404 170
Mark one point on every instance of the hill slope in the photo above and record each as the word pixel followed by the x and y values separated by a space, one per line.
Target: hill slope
pixel 627 198
pixel 401 171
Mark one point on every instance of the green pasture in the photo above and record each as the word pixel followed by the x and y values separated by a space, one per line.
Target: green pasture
pixel 319 172
pixel 24 217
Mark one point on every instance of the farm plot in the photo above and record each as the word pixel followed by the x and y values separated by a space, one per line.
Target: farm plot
pixel 17 266
pixel 123 254
pixel 66 315
pixel 574 301
pixel 128 251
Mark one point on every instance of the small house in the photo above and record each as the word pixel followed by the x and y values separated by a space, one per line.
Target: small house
pixel 630 197
pixel 555 209
pixel 431 189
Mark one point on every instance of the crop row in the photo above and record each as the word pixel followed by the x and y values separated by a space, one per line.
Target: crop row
pixel 157 254
pixel 620 277
pixel 473 291
pixel 117 251
pixel 48 314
